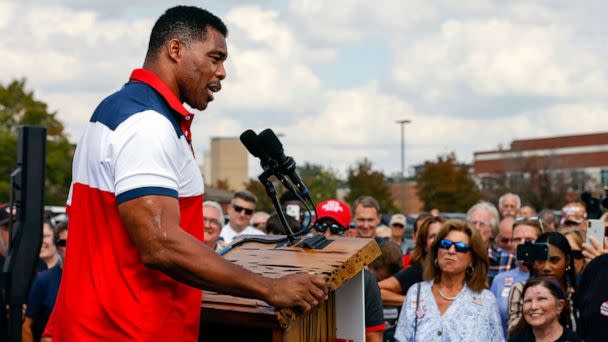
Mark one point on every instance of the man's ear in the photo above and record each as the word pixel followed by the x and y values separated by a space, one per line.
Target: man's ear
pixel 175 50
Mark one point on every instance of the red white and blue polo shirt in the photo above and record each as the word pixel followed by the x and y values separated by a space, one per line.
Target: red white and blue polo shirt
pixel 137 143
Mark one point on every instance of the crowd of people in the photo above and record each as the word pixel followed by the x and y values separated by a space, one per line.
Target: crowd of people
pixel 457 280
pixel 454 280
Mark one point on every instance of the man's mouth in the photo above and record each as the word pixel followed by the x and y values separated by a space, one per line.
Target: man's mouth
pixel 213 88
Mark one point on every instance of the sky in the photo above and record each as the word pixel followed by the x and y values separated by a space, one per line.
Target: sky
pixel 333 77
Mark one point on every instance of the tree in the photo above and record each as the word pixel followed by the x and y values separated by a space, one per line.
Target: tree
pixel 322 183
pixel 539 181
pixel 445 184
pixel 363 180
pixel 19 107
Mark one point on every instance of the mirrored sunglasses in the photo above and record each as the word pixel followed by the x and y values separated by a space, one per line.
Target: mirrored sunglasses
pixel 460 247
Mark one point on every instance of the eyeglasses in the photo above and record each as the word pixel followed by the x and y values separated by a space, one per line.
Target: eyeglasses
pixel 397 225
pixel 258 224
pixel 531 219
pixel 461 247
pixel 504 240
pixel 210 221
pixel 334 228
pixel 61 242
pixel 239 209
pixel 480 223
pixel 577 254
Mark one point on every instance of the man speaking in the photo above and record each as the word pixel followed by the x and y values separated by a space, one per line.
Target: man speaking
pixel 135 262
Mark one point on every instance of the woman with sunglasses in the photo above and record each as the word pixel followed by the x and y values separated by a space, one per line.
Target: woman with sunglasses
pixel 454 303
pixel 559 265
pixel 393 289
pixel 546 313
pixel 575 239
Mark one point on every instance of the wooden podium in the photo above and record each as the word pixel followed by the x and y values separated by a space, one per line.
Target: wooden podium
pixel 228 318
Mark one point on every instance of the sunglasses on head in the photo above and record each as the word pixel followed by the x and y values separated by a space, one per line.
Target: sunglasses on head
pixel 531 219
pixel 238 209
pixel 334 228
pixel 459 246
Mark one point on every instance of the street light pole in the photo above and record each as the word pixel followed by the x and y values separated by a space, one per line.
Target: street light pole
pixel 402 122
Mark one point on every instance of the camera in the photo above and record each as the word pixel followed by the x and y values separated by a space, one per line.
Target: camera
pixel 529 252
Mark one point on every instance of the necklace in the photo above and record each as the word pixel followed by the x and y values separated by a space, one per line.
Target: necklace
pixel 442 295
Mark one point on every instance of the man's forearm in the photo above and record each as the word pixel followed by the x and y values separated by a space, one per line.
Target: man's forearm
pixel 190 261
pixel 390 298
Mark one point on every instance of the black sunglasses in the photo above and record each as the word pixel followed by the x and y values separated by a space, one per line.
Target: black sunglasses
pixel 577 254
pixel 459 246
pixel 238 209
pixel 334 228
pixel 61 242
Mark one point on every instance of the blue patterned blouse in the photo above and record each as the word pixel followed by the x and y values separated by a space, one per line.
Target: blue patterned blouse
pixel 473 316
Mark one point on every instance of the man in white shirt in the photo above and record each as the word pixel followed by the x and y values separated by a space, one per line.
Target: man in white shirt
pixel 240 210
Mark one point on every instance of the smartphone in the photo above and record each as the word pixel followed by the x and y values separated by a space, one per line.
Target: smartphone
pixel 596 229
pixel 530 252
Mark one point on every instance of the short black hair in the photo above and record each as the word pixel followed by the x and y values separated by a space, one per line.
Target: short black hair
pixel 186 23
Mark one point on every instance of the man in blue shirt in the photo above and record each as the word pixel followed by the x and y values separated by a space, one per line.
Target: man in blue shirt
pixel 524 230
pixel 44 292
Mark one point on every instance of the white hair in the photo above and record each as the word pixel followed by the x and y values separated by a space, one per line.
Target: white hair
pixel 503 197
pixel 216 206
pixel 489 208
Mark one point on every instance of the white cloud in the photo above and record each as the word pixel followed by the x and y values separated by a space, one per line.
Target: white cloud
pixel 498 57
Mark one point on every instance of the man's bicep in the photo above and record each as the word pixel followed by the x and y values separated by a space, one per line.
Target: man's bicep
pixel 150 220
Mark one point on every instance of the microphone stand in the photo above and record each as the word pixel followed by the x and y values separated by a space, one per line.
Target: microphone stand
pixel 272 193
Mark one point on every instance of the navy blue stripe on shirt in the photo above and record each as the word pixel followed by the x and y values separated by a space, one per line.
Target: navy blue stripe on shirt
pixel 133 98
pixel 140 192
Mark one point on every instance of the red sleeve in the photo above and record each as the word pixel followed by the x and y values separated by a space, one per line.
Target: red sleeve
pixel 374 328
pixel 406 260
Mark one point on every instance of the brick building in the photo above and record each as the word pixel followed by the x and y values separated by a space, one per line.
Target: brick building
pixel 581 160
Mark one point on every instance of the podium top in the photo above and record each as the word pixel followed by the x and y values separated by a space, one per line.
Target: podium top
pixel 338 262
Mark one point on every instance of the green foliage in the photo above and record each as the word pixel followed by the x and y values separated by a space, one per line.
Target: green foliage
pixel 19 107
pixel 257 188
pixel 445 184
pixel 363 180
pixel 322 184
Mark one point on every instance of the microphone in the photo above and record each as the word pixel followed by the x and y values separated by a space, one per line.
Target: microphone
pixel 285 165
pixel 251 141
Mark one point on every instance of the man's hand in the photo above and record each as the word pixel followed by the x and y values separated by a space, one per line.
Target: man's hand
pixel 594 249
pixel 303 291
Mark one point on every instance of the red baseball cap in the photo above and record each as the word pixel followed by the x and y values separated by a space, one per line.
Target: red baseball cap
pixel 335 210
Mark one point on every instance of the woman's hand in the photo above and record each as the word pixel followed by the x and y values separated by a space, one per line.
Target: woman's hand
pixel 594 249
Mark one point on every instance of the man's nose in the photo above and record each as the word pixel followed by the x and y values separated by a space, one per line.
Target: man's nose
pixel 221 71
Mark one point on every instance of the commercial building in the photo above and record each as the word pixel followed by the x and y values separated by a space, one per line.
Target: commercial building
pixel 580 160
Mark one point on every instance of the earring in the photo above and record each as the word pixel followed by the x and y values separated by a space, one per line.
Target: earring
pixel 470 269
pixel 567 268
pixel 436 263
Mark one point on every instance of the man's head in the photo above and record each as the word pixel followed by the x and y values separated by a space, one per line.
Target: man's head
pixel 212 221
pixel 398 223
pixel 574 214
pixel 61 237
pixel 333 218
pixel 189 43
pixel 259 219
pixel 484 217
pixel 5 221
pixel 241 209
pixel 366 213
pixel 509 204
pixel 505 234
pixel 526 210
